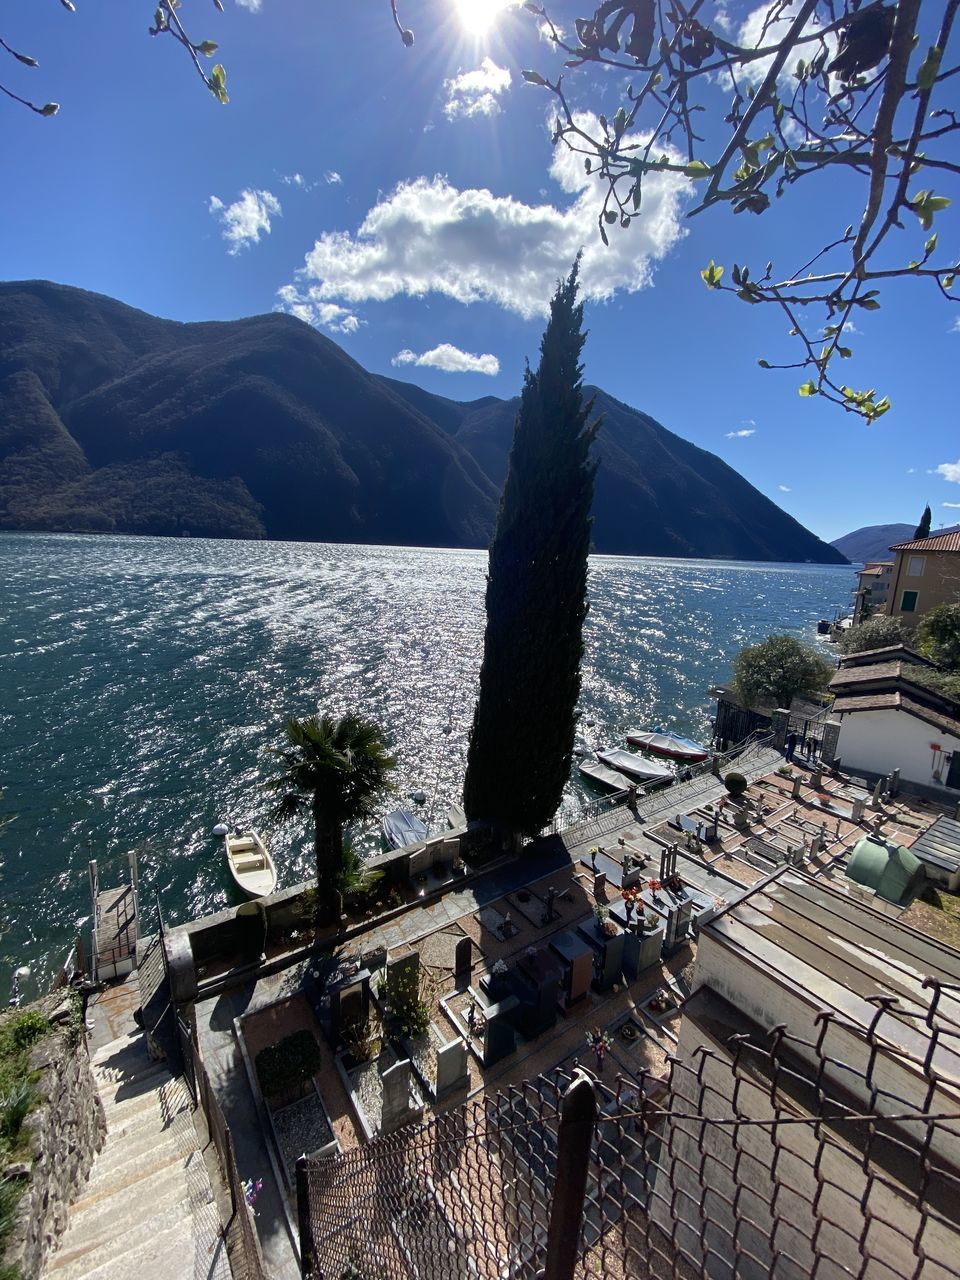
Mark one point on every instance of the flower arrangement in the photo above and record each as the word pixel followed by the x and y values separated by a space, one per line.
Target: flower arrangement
pixel 599 1042
pixel 499 968
pixel 654 886
pixel 631 898
pixel 251 1189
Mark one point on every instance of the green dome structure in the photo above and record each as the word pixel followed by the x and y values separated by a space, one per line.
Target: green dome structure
pixel 890 870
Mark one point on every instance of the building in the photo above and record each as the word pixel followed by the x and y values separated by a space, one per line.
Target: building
pixel 872 591
pixel 926 573
pixel 939 851
pixel 812 1016
pixel 888 719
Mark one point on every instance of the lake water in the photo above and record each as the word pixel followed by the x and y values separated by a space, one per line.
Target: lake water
pixel 143 679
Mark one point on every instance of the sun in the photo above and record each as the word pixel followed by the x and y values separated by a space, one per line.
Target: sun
pixel 478 16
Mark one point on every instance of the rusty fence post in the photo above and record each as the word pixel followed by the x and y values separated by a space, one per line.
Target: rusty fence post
pixel 307 1260
pixel 574 1144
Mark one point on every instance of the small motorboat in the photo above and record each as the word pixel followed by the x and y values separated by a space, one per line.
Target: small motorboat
pixel 250 863
pixel 402 827
pixel 634 766
pixel 671 745
pixel 602 776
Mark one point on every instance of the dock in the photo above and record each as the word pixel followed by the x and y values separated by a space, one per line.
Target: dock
pixel 116 922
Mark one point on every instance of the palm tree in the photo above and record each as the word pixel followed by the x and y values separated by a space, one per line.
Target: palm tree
pixel 337 770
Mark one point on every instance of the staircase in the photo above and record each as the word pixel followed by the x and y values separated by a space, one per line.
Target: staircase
pixel 147 1209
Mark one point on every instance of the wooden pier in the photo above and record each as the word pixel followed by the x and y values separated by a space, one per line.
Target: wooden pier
pixel 116 921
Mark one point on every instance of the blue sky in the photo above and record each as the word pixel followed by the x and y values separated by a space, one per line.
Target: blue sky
pixel 410 204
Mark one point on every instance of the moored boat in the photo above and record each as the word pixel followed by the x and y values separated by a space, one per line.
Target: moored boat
pixel 603 776
pixel 636 767
pixel 250 862
pixel 402 827
pixel 671 745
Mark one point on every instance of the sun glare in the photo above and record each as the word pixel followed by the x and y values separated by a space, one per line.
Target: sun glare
pixel 478 16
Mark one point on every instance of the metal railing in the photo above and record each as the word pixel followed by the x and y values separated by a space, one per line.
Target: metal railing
pixel 246 1256
pixel 760 1154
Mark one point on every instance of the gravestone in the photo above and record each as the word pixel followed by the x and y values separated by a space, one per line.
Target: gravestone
pixel 576 957
pixel 816 778
pixel 463 962
pixel 451 1067
pixel 373 959
pixel 608 953
pixel 541 974
pixel 797 784
pixel 858 807
pixel 875 799
pixel 599 883
pixel 395 1109
pixel 350 1003
pixel 499 1036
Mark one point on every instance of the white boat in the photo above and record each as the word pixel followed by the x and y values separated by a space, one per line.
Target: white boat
pixel 602 776
pixel 250 863
pixel 671 745
pixel 402 827
pixel 635 766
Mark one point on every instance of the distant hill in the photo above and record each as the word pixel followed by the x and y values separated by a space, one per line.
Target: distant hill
pixel 114 420
pixel 873 542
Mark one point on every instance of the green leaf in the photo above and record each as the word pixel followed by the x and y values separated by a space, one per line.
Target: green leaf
pixel 931 244
pixel 26 59
pixel 620 121
pixel 208 48
pixel 929 70
pixel 764 364
pixel 50 109
pixel 869 304
pixel 808 389
pixel 610 215
pixel 218 84
pixel 845 353
pixel 712 275
pixel 697 169
pixel 533 77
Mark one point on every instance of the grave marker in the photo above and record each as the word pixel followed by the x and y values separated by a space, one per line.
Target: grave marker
pixel 463 962
pixel 499 1037
pixel 395 1109
pixel 451 1067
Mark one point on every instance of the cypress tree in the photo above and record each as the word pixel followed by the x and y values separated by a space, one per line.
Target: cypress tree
pixel 923 528
pixel 522 738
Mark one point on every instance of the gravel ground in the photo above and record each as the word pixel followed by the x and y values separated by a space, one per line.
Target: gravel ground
pixel 301 1128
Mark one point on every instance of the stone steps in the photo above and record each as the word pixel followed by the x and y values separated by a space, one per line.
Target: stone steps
pixel 146 1211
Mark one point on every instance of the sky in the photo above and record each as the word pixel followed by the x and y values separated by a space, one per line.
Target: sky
pixel 409 203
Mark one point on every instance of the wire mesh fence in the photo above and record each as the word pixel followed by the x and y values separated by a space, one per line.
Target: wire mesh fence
pixel 777 1155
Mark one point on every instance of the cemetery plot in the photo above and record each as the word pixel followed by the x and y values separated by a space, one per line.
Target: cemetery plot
pixel 302 1128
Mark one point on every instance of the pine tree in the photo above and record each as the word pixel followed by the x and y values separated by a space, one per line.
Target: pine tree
pixel 923 528
pixel 522 738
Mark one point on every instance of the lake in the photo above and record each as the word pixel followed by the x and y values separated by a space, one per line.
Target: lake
pixel 142 681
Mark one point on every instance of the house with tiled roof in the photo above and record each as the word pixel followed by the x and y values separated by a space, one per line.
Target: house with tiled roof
pixel 889 719
pixel 926 572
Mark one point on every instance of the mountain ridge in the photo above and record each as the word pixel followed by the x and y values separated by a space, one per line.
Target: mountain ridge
pixel 115 420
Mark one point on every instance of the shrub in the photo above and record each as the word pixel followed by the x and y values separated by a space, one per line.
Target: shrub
pixel 771 673
pixel 286 1065
pixel 735 783
pixel 879 632
pixel 26 1028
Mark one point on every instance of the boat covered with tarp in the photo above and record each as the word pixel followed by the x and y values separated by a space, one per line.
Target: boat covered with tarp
pixel 402 827
pixel 671 745
pixel 636 767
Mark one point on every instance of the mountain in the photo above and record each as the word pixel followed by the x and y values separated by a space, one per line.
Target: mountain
pixel 873 542
pixel 114 420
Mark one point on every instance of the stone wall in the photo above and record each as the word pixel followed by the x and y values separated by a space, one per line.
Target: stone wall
pixel 66 1129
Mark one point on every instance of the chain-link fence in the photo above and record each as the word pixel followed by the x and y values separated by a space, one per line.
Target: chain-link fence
pixel 777 1156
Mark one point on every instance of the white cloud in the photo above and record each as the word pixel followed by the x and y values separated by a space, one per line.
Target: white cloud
pixel 784 488
pixel 742 434
pixel 950 504
pixel 332 178
pixel 253 6
pixel 307 306
pixel 955 327
pixel 243 221
pixel 476 93
pixel 427 236
pixel 911 471
pixel 755 33
pixel 294 180
pixel 449 359
pixel 949 471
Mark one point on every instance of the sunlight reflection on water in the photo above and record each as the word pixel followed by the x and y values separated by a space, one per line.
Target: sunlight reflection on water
pixel 142 680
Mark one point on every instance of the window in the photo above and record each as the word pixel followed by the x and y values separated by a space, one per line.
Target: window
pixel 908 602
pixel 915 567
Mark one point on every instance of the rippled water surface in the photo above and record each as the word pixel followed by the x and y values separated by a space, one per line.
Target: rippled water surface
pixel 142 681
